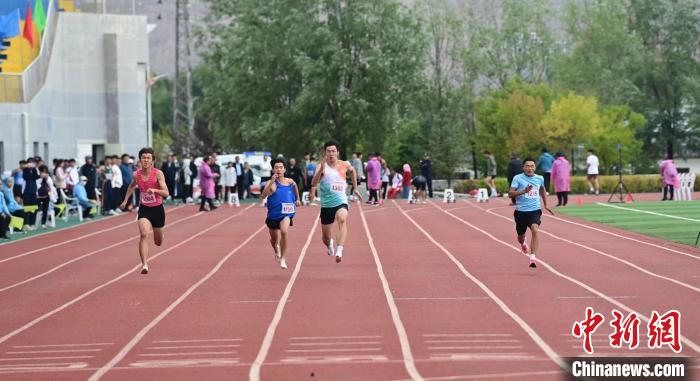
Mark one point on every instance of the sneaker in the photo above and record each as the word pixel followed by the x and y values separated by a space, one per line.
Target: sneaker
pixel 532 263
pixel 112 212
pixel 213 208
pixel 202 210
pixel 331 250
pixel 338 257
pixel 44 226
pixel 283 263
pixel 144 269
pixel 524 248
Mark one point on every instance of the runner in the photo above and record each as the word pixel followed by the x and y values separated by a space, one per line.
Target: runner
pixel 330 178
pixel 153 190
pixel 282 198
pixel 528 189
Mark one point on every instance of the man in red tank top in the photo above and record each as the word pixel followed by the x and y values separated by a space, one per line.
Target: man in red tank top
pixel 153 189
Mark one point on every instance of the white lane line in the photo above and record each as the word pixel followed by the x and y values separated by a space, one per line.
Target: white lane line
pixel 54 351
pixel 325 350
pixel 472 341
pixel 196 346
pixel 137 338
pixel 592 290
pixel 614 258
pixel 103 285
pixel 647 212
pixel 597 297
pixel 483 356
pixel 625 237
pixel 181 363
pixel 497 376
pixel 73 239
pixel 501 304
pixel 478 347
pixel 256 301
pixel 46 358
pixel 447 298
pixel 413 210
pixel 254 373
pixel 194 341
pixel 339 343
pixel 54 364
pixel 334 359
pixel 87 255
pixel 467 334
pixel 187 353
pixel 409 361
pixel 333 337
pixel 60 345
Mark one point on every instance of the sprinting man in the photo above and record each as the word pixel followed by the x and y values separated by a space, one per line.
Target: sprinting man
pixel 331 180
pixel 153 189
pixel 528 190
pixel 282 199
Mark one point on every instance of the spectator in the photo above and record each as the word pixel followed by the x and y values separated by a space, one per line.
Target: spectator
pixel 374 178
pixel 185 177
pixel 265 170
pixel 30 175
pixel 302 168
pixel 544 163
pixel 206 181
pixel 170 169
pixel 240 180
pixel 60 176
pixel 491 172
pixel 669 177
pixel 44 194
pixel 248 179
pixel 216 169
pixel 90 172
pixel 230 179
pixel 560 174
pixel 73 177
pixel 127 169
pixel 515 167
pixel 406 181
pixel 5 215
pixel 106 171
pixel 385 179
pixel 14 208
pixel 310 170
pixel 426 169
pixel 419 184
pixel 294 172
pixel 592 172
pixel 396 183
pixel 81 197
pixel 356 163
pixel 193 175
pixel 117 183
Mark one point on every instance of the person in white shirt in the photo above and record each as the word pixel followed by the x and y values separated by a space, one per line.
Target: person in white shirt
pixel 229 180
pixel 117 182
pixel 73 174
pixel 592 165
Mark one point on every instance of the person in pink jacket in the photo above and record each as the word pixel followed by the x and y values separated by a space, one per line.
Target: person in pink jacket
pixel 669 175
pixel 374 178
pixel 560 175
pixel 207 179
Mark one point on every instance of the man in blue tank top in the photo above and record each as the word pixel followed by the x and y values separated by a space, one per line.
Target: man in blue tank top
pixel 528 189
pixel 282 199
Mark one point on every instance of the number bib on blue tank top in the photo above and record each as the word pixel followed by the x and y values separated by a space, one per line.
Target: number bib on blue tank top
pixel 280 204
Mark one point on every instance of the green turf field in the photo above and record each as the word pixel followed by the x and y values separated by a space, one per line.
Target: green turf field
pixel 668 223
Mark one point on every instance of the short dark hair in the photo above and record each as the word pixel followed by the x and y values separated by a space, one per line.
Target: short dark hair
pixel 125 155
pixel 332 142
pixel 487 152
pixel 277 160
pixel 529 159
pixel 206 158
pixel 377 153
pixel 22 162
pixel 544 150
pixel 147 150
pixel 591 150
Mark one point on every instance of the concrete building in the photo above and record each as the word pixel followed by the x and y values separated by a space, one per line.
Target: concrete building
pixel 91 98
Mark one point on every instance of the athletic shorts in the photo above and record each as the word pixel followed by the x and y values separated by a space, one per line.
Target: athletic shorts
pixel 154 214
pixel 328 214
pixel 275 224
pixel 420 186
pixel 592 177
pixel 523 220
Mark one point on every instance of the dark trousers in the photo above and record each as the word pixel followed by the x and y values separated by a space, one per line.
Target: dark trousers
pixel 372 195
pixel 106 197
pixel 669 189
pixel 30 200
pixel 430 186
pixel 562 198
pixel 90 190
pixel 116 198
pixel 4 224
pixel 547 177
pixel 385 188
pixel 204 201
pixel 240 185
pixel 44 208
pixel 21 214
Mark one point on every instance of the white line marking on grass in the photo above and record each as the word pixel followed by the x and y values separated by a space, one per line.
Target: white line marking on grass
pixel 71 240
pixel 408 360
pixel 501 304
pixel 614 258
pixel 136 339
pixel 254 373
pixel 87 255
pixel 607 298
pixel 103 285
pixel 647 212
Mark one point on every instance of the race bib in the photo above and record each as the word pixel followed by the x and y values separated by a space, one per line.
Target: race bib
pixel 148 198
pixel 287 208
pixel 338 187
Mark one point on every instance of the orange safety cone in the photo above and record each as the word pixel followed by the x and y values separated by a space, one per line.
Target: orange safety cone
pixel 579 200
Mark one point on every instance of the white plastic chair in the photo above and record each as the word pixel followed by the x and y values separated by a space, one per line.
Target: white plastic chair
pixel 71 205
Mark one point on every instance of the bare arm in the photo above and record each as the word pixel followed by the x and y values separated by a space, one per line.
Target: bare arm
pixel 269 187
pixel 543 196
pixel 315 181
pixel 296 191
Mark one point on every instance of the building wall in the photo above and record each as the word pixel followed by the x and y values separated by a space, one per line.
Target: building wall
pixel 95 93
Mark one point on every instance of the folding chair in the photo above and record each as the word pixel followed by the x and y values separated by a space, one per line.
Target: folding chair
pixel 71 204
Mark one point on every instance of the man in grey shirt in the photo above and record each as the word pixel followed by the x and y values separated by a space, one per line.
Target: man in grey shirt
pixel 491 172
pixel 356 163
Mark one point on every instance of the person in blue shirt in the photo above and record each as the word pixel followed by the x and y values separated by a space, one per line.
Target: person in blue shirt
pixel 282 199
pixel 81 197
pixel 5 216
pixel 530 196
pixel 15 209
pixel 544 163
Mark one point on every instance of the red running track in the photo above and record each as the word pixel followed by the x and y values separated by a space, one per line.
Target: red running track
pixel 434 291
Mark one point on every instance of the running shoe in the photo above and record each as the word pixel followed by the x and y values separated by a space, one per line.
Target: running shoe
pixel 338 257
pixel 532 263
pixel 524 248
pixel 331 250
pixel 144 269
pixel 283 264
